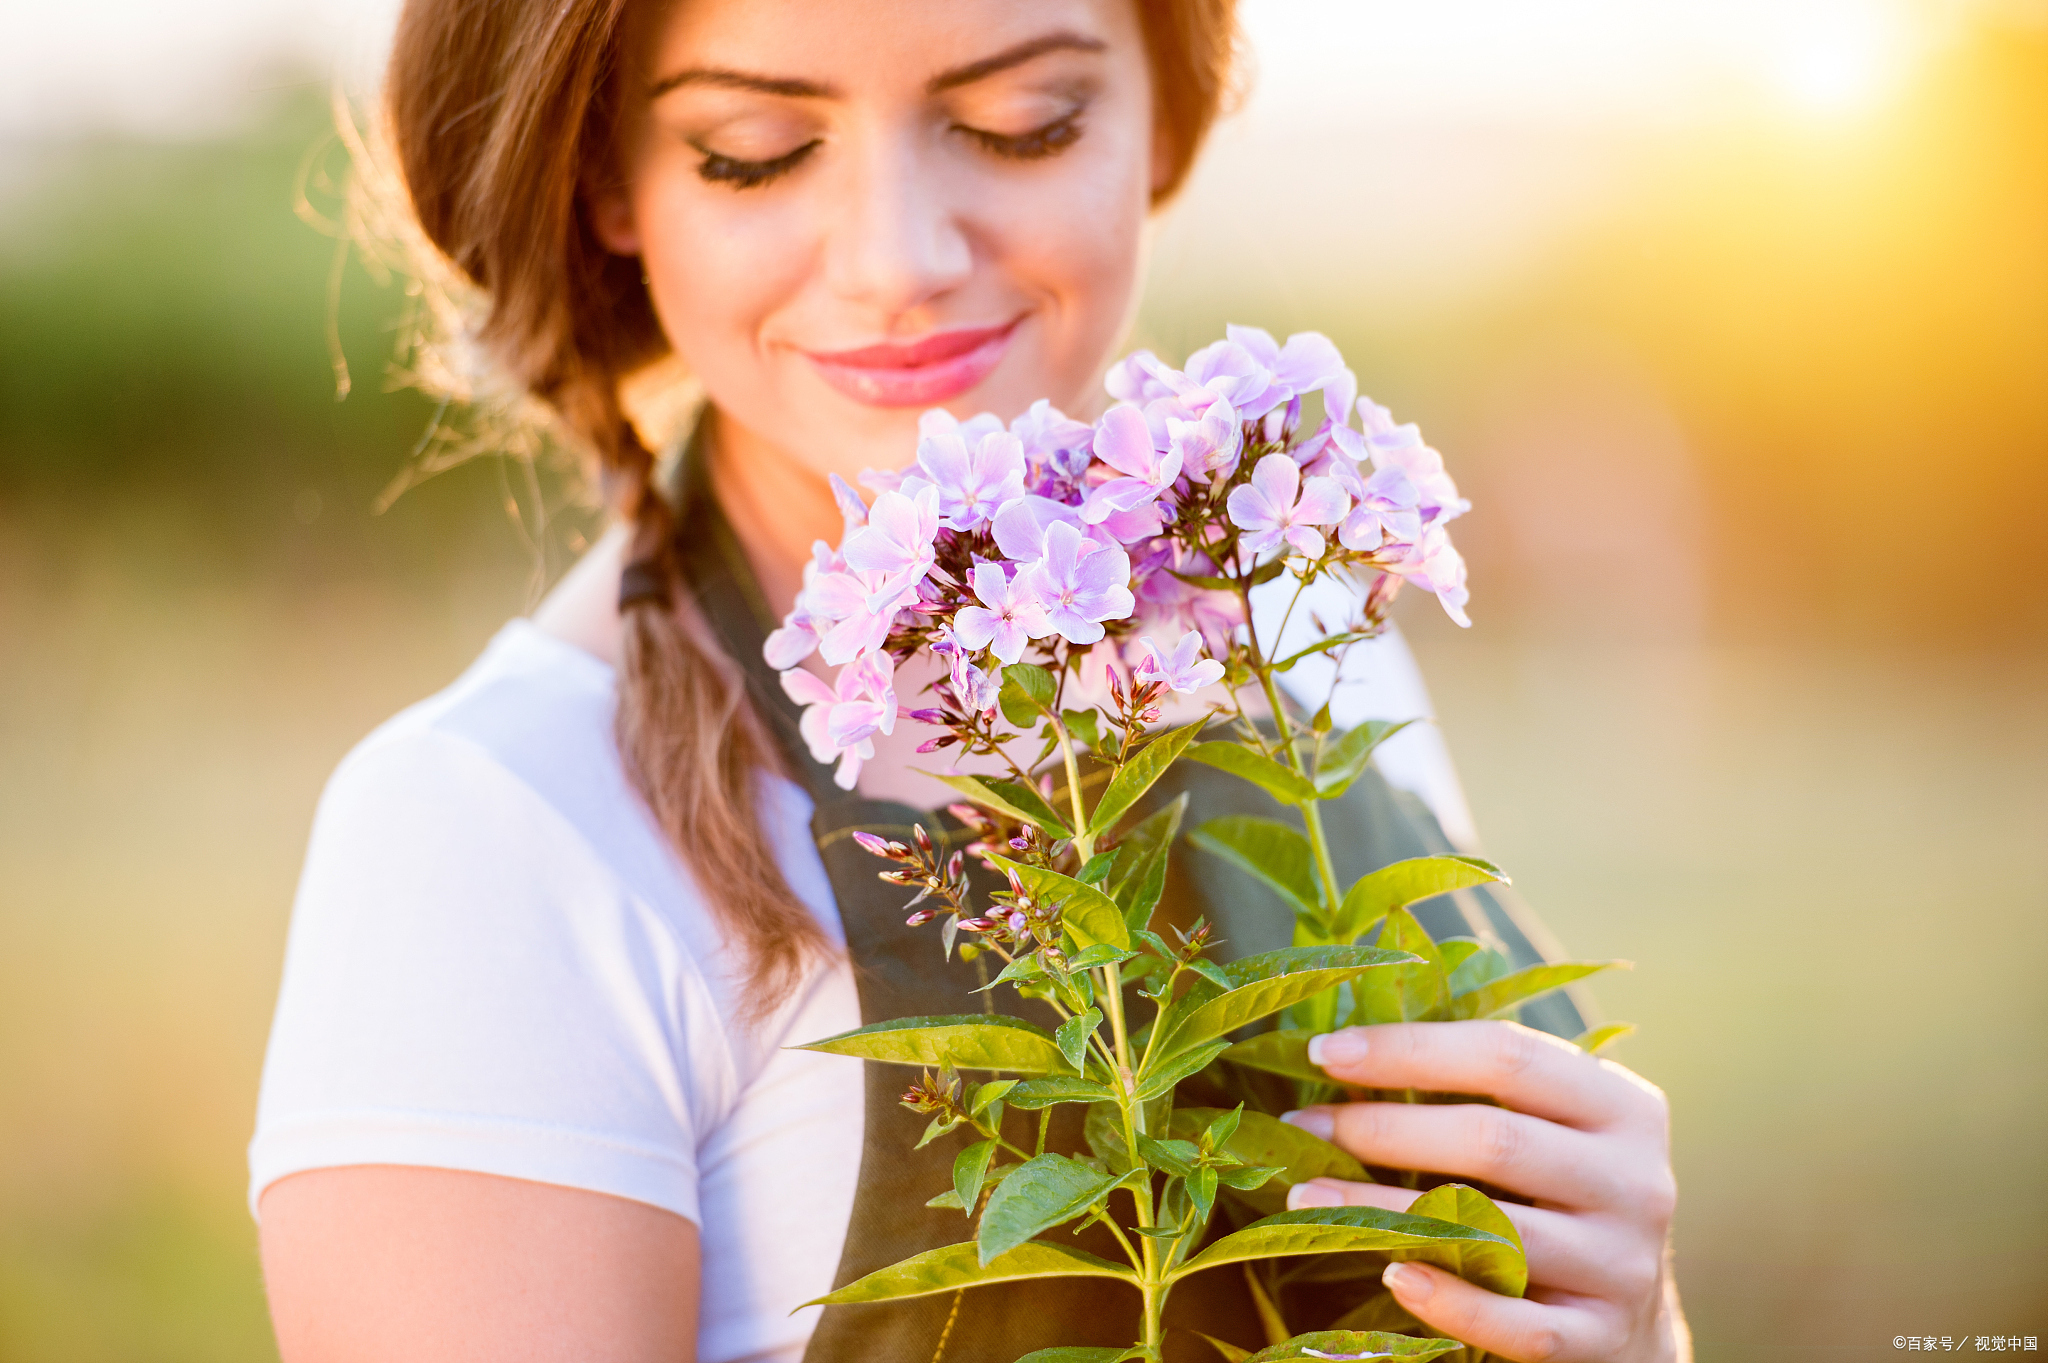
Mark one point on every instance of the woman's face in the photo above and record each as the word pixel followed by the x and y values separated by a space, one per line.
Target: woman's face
pixel 850 211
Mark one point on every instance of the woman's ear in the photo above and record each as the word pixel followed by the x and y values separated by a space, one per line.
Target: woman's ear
pixel 611 218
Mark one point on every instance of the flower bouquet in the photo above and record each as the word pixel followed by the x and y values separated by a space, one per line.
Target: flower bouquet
pixel 1078 582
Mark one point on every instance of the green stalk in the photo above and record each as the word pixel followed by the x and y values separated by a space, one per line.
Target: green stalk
pixel 1311 814
pixel 1084 846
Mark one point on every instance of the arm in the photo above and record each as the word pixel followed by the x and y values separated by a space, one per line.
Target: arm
pixel 394 1264
pixel 1583 1139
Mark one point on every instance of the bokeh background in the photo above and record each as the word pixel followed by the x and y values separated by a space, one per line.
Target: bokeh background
pixel 1732 317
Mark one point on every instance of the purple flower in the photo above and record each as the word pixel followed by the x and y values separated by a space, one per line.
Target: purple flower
pixel 841 720
pixel 1401 447
pixel 1124 442
pixel 939 421
pixel 1270 510
pixel 852 510
pixel 896 542
pixel 1168 605
pixel 1046 433
pixel 1230 372
pixel 972 480
pixel 1076 586
pixel 1002 620
pixel 1208 446
pixel 1383 511
pixel 1436 566
pixel 1308 363
pixel 1020 525
pixel 1185 669
pixel 1139 377
pixel 975 689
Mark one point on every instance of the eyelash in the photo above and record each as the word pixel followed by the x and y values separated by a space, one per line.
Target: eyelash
pixel 724 170
pixel 1050 140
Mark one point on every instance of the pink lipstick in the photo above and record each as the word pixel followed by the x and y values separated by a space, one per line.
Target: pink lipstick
pixel 919 373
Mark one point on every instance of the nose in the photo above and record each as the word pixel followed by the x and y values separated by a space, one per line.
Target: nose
pixel 898 241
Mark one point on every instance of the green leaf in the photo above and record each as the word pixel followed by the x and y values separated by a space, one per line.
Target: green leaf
pixel 1162 1074
pixel 1045 1191
pixel 1496 1268
pixel 1283 783
pixel 968 1041
pixel 1355 1344
pixel 1404 883
pixel 1084 725
pixel 1176 1157
pixel 1137 775
pixel 970 1167
pixel 1097 956
pixel 1261 1141
pixel 1343 762
pixel 1413 993
pixel 956 1266
pixel 1324 645
pixel 1027 692
pixel 1033 1094
pixel 1284 1053
pixel 1269 850
pixel 1099 866
pixel 992 1091
pixel 1265 984
pixel 1249 1178
pixel 1073 1036
pixel 1010 799
pixel 1594 1038
pixel 1231 1352
pixel 1022 970
pixel 1510 991
pixel 1328 1230
pixel 1202 1190
pixel 1141 880
pixel 1088 914
pixel 1481 966
pixel 1068 1353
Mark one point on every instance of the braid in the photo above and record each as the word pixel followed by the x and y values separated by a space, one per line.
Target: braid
pixel 694 747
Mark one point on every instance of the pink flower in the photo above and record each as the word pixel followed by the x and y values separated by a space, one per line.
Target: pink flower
pixel 1124 442
pixel 1020 525
pixel 1269 509
pixel 1208 446
pixel 841 720
pixel 1401 447
pixel 896 542
pixel 972 480
pixel 1046 431
pixel 1383 512
pixel 1138 377
pixel 852 510
pixel 1077 586
pixel 1184 669
pixel 1433 564
pixel 1308 363
pixel 1002 620
pixel 975 689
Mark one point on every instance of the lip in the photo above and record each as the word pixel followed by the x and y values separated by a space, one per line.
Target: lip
pixel 918 373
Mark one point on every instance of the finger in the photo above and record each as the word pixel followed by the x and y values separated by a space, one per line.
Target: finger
pixel 1513 1327
pixel 1524 1069
pixel 1587 1255
pixel 1540 1160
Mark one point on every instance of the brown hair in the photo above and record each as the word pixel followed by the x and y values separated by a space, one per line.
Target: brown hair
pixel 500 112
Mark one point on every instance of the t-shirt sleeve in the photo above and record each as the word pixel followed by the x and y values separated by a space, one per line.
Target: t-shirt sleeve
pixel 467 986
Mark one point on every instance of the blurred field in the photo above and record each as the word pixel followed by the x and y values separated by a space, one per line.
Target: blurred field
pixel 1757 697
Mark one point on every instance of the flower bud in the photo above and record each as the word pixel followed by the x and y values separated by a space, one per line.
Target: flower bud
pixel 977 924
pixel 920 918
pixel 1018 922
pixel 1020 843
pixel 924 839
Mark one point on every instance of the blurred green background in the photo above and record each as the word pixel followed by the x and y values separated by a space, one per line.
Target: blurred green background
pixel 1759 443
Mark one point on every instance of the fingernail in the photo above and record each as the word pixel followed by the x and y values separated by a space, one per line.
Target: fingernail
pixel 1314 1193
pixel 1409 1283
pixel 1318 1122
pixel 1337 1048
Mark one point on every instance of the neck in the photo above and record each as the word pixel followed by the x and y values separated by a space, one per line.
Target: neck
pixel 777 506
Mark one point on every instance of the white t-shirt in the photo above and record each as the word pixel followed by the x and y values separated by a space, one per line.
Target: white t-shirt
pixel 497 964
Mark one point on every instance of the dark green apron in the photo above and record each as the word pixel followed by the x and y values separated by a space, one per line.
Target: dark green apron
pixel 902 972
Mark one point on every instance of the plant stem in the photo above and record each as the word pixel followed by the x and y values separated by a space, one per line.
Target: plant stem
pixel 1084 846
pixel 1311 813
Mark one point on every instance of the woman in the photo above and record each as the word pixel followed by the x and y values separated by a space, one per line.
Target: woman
pixel 527 1095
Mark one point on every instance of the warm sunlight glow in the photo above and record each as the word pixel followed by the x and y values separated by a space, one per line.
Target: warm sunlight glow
pixel 1841 63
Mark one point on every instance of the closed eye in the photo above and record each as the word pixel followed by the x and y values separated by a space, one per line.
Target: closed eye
pixel 1047 140
pixel 728 170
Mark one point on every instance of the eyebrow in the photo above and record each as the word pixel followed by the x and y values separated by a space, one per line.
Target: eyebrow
pixel 1065 40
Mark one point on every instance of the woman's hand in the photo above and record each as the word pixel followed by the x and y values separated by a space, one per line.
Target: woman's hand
pixel 1582 1138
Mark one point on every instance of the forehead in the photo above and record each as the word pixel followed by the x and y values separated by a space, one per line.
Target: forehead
pixel 854 46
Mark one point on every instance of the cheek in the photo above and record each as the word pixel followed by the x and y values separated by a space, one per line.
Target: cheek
pixel 717 263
